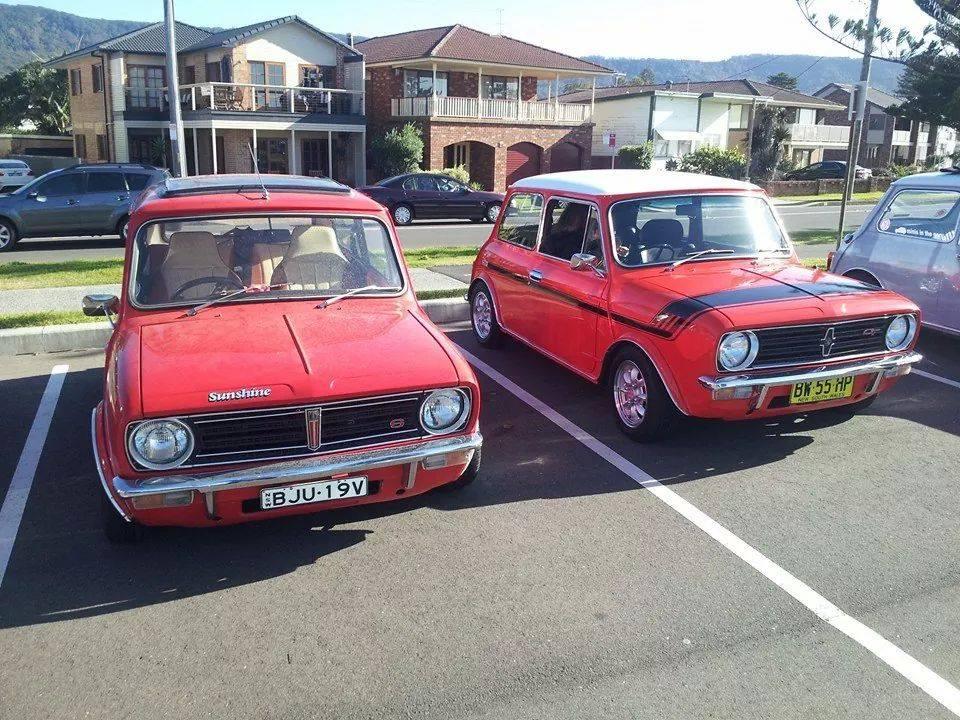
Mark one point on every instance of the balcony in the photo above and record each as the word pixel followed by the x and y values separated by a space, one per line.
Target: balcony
pixel 251 98
pixel 471 108
pixel 901 137
pixel 820 135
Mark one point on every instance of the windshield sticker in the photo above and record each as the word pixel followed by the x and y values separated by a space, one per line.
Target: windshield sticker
pixel 885 224
pixel 943 237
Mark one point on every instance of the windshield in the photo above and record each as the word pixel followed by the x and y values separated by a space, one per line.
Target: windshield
pixel 649 231
pixel 187 262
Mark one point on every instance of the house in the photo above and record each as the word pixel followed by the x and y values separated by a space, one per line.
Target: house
pixel 475 97
pixel 680 117
pixel 887 139
pixel 289 91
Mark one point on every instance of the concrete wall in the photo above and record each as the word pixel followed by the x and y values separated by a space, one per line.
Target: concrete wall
pixel 785 188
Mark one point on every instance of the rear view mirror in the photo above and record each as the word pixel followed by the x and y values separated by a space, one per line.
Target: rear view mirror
pixel 583 261
pixel 847 238
pixel 96 305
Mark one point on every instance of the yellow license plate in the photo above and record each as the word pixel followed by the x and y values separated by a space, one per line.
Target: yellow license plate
pixel 820 390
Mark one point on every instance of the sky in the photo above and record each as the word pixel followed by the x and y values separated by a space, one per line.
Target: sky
pixel 688 29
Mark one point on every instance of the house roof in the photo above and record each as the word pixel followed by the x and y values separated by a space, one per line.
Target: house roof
pixel 458 42
pixel 231 36
pixel 744 87
pixel 878 97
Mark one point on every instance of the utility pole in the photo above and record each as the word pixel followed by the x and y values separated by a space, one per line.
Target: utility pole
pixel 859 111
pixel 177 149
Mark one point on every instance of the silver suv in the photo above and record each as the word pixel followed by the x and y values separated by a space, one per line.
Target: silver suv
pixel 79 200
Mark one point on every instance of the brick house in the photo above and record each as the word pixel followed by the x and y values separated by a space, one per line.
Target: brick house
pixel 291 92
pixel 475 97
pixel 887 139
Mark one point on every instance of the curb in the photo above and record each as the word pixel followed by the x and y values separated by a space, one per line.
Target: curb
pixel 94 336
pixel 824 203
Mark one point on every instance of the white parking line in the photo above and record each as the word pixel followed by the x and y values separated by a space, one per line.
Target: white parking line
pixel 16 499
pixel 931 376
pixel 911 668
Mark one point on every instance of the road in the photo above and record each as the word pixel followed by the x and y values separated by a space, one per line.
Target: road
pixel 414 236
pixel 555 586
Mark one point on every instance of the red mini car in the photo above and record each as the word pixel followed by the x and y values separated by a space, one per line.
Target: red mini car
pixel 684 295
pixel 270 358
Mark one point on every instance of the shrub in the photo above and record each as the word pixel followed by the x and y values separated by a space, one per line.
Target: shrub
pixel 899 171
pixel 636 157
pixel 710 160
pixel 458 172
pixel 398 151
pixel 474 185
pixel 672 164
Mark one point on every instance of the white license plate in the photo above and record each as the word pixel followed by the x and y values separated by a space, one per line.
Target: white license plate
pixel 315 492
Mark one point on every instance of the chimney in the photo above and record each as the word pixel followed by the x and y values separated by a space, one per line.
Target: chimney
pixel 668 84
pixel 350 39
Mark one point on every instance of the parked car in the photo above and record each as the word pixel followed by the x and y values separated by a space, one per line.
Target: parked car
pixel 269 358
pixel 910 244
pixel 827 170
pixel 431 196
pixel 683 295
pixel 14 174
pixel 79 200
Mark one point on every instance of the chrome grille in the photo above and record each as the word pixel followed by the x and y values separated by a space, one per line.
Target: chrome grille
pixel 801 344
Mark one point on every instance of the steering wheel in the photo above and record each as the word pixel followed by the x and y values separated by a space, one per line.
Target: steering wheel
pixel 220 284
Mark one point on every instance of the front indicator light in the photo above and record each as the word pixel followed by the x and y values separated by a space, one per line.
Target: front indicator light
pixel 170 499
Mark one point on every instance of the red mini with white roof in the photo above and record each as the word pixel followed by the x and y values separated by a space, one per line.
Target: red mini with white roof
pixel 684 295
pixel 269 358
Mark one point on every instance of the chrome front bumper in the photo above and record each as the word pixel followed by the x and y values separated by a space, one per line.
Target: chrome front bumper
pixel 429 454
pixel 755 385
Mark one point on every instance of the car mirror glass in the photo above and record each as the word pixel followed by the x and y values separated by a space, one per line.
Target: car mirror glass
pixel 583 261
pixel 100 304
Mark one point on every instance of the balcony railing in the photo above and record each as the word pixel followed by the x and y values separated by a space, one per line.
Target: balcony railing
pixel 901 137
pixel 820 134
pixel 467 108
pixel 249 97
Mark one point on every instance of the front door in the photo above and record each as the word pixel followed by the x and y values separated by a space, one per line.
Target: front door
pixel 422 193
pixel 272 156
pixel 948 304
pixel 314 159
pixel 51 207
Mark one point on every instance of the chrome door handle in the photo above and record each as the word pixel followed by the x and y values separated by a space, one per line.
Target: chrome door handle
pixel 71 201
pixel 535 276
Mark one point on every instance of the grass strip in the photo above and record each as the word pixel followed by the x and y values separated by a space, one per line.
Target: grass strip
pixel 11 321
pixel 18 275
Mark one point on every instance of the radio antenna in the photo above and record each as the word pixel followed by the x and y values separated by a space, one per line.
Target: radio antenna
pixel 256 169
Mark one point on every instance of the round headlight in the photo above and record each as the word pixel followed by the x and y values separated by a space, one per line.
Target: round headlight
pixel 160 444
pixel 444 411
pixel 900 332
pixel 737 350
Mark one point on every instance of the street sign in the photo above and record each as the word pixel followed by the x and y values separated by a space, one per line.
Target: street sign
pixel 610 139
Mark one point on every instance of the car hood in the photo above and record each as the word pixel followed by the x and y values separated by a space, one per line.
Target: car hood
pixel 260 355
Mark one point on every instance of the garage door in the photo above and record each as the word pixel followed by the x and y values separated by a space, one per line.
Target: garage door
pixel 523 160
pixel 565 156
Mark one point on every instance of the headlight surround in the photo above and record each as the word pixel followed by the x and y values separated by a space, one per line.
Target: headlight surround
pixel 160 444
pixel 737 350
pixel 900 332
pixel 445 411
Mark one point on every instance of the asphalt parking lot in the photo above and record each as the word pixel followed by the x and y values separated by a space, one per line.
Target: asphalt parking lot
pixel 581 576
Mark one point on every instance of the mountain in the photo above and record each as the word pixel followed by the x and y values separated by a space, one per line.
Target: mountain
pixel 758 67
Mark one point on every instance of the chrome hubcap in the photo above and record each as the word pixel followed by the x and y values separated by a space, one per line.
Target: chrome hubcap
pixel 493 212
pixel 123 231
pixel 4 236
pixel 482 315
pixel 630 394
pixel 402 215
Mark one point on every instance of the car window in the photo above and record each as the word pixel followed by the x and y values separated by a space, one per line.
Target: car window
pixel 564 228
pixel 593 239
pixel 410 183
pixel 105 182
pixel 69 184
pixel 928 214
pixel 137 181
pixel 448 185
pixel 13 164
pixel 426 183
pixel 520 220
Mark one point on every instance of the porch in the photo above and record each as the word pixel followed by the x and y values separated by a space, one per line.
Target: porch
pixel 472 108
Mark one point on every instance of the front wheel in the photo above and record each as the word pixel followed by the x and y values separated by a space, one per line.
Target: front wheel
pixel 483 318
pixel 8 236
pixel 402 215
pixel 641 404
pixel 493 212
pixel 122 229
pixel 118 530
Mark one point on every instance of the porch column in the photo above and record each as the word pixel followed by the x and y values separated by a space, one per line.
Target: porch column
pixel 479 93
pixel 433 110
pixel 294 161
pixel 196 153
pixel 519 94
pixel 330 154
pixel 255 159
pixel 556 100
pixel 593 96
pixel 213 146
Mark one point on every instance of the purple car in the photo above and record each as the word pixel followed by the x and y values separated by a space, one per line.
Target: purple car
pixel 431 196
pixel 910 244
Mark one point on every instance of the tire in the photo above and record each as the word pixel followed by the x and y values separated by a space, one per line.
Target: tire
pixel 402 214
pixel 492 212
pixel 122 228
pixel 641 405
pixel 117 530
pixel 8 236
pixel 468 476
pixel 483 317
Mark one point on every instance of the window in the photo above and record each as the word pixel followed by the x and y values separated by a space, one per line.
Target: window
pixel 102 182
pixel 264 73
pixel 146 83
pixel 102 147
pixel 75 82
pixel 419 83
pixel 521 220
pixel 684 147
pixel 564 228
pixel 593 240
pixel 213 72
pixel 872 152
pixel 500 88
pixel 61 185
pixel 80 146
pixel 877 121
pixel 739 117
pixel 661 148
pixel 928 214
pixel 137 181
pixel 189 75
pixel 648 231
pixel 317 76
pixel 448 185
pixel 97 72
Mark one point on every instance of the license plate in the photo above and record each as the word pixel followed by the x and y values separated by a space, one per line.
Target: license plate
pixel 315 492
pixel 820 390
pixel 15 174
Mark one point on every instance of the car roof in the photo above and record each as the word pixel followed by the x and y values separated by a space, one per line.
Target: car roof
pixel 628 182
pixel 946 179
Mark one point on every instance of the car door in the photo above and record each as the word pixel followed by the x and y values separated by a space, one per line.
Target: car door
pixel 948 303
pixel 426 197
pixel 457 200
pixel 509 261
pixel 105 201
pixel 570 302
pixel 51 205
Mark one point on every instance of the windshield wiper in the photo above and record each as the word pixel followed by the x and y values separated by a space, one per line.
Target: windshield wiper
pixel 337 298
pixel 694 256
pixel 242 291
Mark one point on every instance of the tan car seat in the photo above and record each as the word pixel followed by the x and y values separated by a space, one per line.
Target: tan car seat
pixel 193 255
pixel 314 261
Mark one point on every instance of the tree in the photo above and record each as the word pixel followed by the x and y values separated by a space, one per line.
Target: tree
pixel 398 151
pixel 636 157
pixel 770 132
pixel 709 160
pixel 783 80
pixel 646 77
pixel 36 94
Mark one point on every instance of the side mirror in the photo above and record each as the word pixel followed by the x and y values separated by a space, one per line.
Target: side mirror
pixel 583 261
pixel 847 238
pixel 96 305
pixel 35 195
